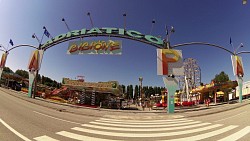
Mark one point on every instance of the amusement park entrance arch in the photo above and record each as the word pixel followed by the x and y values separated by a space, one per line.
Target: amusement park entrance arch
pixel 157 42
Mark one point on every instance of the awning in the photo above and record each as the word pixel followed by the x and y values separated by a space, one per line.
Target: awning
pixel 220 93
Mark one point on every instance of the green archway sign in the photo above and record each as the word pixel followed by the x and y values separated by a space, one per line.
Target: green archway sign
pixel 105 31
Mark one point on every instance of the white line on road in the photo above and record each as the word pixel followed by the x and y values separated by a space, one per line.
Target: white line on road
pixel 44 138
pixel 57 118
pixel 144 129
pixel 145 123
pixel 81 137
pixel 237 135
pixel 145 134
pixel 135 126
pixel 230 117
pixel 14 131
pixel 204 136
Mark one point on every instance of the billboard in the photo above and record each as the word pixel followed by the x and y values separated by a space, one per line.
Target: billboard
pixel 169 62
pixel 3 60
pixel 237 65
pixel 109 47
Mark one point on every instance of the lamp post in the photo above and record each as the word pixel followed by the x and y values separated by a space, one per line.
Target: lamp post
pixel 172 30
pixel 239 76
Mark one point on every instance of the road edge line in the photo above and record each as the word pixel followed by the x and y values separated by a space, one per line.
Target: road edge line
pixel 14 131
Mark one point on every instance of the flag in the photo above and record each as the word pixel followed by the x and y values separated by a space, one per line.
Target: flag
pixel 166 28
pixel 46 32
pixel 11 42
pixel 230 41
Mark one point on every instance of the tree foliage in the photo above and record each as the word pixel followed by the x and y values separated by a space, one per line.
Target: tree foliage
pixel 7 70
pixel 222 77
pixel 136 93
pixel 130 93
pixel 23 73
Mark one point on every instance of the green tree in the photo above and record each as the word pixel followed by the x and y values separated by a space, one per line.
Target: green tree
pixel 222 77
pixel 123 88
pixel 127 92
pixel 151 91
pixel 7 70
pixel 145 91
pixel 136 91
pixel 158 90
pixel 155 89
pixel 130 94
pixel 39 79
pixel 23 73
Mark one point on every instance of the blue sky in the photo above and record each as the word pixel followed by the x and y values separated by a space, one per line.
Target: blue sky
pixel 210 21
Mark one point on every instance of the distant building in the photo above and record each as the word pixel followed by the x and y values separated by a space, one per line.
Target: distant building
pixel 245 89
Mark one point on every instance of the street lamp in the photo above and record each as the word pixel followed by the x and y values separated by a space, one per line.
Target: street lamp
pixel 244 2
pixel 240 46
pixel 168 34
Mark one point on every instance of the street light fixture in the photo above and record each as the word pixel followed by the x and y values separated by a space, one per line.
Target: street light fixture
pixel 167 40
pixel 244 2
pixel 240 46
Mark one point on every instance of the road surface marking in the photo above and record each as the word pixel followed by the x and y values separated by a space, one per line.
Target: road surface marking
pixel 145 134
pixel 44 138
pixel 142 121
pixel 162 125
pixel 14 131
pixel 56 118
pixel 145 123
pixel 230 117
pixel 237 135
pixel 81 137
pixel 144 129
pixel 204 136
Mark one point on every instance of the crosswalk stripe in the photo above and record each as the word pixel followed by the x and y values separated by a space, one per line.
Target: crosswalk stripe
pixel 204 136
pixel 144 129
pixel 44 138
pixel 237 135
pixel 145 134
pixel 81 137
pixel 162 125
pixel 142 121
pixel 155 123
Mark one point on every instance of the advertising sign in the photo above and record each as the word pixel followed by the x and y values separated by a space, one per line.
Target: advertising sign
pixel 95 47
pixel 105 31
pixel 35 60
pixel 169 62
pixel 237 65
pixel 3 60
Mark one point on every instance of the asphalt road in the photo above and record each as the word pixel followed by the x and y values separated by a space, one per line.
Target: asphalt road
pixel 22 120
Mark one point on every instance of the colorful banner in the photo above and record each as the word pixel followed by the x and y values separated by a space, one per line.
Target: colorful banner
pixel 3 60
pixel 33 66
pixel 169 62
pixel 35 60
pixel 2 63
pixel 237 63
pixel 95 47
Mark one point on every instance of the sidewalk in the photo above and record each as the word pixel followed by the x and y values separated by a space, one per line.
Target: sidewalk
pixel 128 114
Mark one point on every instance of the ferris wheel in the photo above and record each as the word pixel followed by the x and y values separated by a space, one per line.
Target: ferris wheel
pixel 192 75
